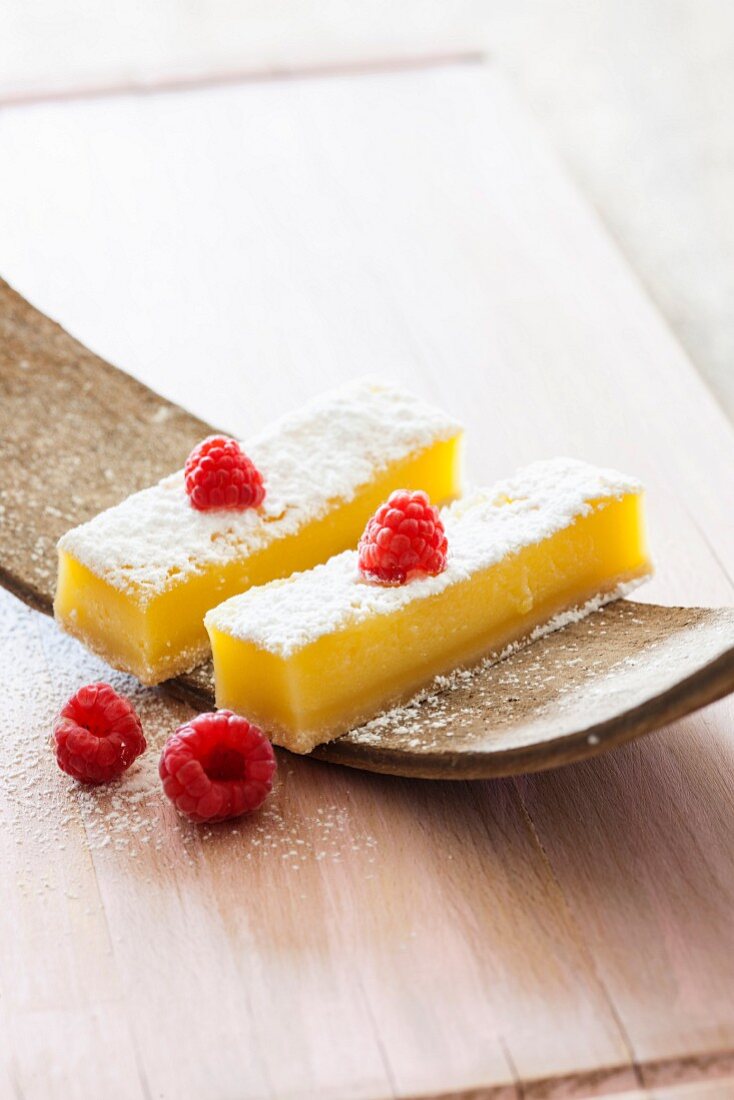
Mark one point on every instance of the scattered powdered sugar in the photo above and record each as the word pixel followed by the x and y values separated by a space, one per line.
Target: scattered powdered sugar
pixel 431 715
pixel 321 454
pixel 601 667
pixel 46 815
pixel 482 529
pixel 36 798
pixel 576 614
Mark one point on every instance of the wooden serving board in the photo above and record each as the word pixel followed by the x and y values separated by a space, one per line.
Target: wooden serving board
pixel 366 937
pixel 624 671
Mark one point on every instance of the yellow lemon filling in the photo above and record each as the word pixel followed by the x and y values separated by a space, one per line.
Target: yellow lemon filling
pixel 135 582
pixel 313 656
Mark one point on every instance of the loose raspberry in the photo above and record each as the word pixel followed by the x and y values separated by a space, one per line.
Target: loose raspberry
pixel 97 735
pixel 405 536
pixel 217 766
pixel 220 475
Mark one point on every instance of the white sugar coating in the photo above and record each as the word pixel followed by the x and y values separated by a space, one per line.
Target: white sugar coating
pixel 310 460
pixel 426 713
pixel 482 529
pixel 47 819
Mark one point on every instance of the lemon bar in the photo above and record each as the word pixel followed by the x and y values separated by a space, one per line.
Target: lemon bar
pixel 135 582
pixel 315 655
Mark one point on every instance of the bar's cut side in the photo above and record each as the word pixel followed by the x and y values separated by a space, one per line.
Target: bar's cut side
pixel 315 655
pixel 136 581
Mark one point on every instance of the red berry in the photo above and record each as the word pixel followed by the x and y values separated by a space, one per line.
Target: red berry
pixel 217 766
pixel 404 536
pixel 97 735
pixel 220 475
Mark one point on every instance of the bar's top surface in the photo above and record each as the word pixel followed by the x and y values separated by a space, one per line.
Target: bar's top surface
pixel 321 454
pixel 482 528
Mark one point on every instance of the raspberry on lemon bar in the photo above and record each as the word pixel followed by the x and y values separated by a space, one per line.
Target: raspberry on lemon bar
pixel 135 582
pixel 310 657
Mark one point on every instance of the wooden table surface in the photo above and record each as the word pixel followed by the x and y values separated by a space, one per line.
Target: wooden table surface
pixel 240 248
pixel 636 97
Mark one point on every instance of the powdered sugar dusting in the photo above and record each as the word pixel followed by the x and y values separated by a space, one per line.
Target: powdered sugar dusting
pixel 601 666
pixel 310 459
pixel 432 711
pixel 130 821
pixel 482 529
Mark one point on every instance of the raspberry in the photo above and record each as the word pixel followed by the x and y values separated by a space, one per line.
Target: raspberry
pixel 217 766
pixel 220 475
pixel 97 735
pixel 404 536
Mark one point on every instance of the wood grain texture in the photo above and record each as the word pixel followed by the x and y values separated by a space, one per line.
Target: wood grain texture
pixel 568 933
pixel 99 421
pixel 593 685
pixel 629 669
pixel 700 1090
pixel 635 98
pixel 81 50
